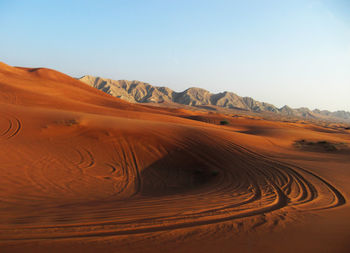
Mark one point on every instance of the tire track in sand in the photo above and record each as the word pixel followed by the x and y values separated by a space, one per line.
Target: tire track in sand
pixel 14 126
pixel 272 185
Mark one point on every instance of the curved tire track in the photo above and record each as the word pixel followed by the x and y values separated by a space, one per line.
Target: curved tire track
pixel 262 185
pixel 14 126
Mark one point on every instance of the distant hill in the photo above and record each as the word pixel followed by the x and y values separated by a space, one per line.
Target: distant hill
pixel 140 92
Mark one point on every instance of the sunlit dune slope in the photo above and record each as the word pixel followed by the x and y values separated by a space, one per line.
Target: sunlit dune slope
pixel 77 163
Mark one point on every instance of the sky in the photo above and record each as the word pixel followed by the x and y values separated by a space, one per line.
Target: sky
pixel 293 52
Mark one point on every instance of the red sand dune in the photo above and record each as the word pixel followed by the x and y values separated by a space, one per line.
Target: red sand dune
pixel 82 171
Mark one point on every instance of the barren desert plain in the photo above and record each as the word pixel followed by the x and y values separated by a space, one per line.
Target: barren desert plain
pixel 82 171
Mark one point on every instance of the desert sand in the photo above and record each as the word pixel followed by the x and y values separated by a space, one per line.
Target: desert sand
pixel 82 171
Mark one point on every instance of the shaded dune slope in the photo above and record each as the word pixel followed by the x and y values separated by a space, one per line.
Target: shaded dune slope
pixel 78 163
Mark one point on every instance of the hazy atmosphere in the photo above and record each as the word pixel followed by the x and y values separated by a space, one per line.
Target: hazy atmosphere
pixel 282 52
pixel 116 135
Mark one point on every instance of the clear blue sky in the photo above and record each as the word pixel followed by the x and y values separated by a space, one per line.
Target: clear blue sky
pixel 293 52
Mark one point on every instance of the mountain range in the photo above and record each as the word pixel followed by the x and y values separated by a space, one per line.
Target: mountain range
pixel 141 92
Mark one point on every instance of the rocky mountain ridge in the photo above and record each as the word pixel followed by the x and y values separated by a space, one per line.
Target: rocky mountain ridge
pixel 140 92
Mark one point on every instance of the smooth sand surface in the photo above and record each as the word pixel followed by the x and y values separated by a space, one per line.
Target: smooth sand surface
pixel 82 171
